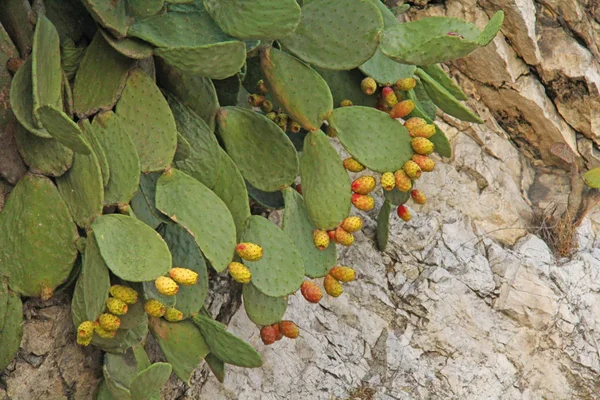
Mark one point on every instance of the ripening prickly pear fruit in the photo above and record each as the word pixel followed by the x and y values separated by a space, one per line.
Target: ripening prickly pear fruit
pixel 403 182
pixel 154 308
pixel 422 146
pixel 321 239
pixel 266 106
pixel 278 334
pixel 404 213
pixel 332 286
pixel 271 115
pixel 363 202
pixel 389 97
pixel 352 224
pixel 368 86
pixel 84 341
pixel 116 306
pixel 330 131
pixel 173 315
pixel 282 120
pixel 166 286
pixel 344 238
pixel 249 251
pixel 331 234
pixel 104 333
pixel 346 103
pixel 352 165
pixel 402 109
pixel 86 329
pixel 183 276
pixel 311 292
pixel 412 169
pixel 124 293
pixel 388 182
pixel 261 87
pixel 109 322
pixel 342 273
pixel 418 196
pixel 363 185
pixel 268 335
pixel 239 272
pixel 424 131
pixel 405 84
pixel 289 329
pixel 293 126
pixel 255 100
pixel 414 123
pixel 425 163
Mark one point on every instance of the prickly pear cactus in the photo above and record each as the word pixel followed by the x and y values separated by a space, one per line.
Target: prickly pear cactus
pixel 153 130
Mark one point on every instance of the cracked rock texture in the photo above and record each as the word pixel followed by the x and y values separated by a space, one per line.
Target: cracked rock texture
pixel 467 301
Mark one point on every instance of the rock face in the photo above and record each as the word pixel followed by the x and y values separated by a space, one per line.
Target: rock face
pixel 467 301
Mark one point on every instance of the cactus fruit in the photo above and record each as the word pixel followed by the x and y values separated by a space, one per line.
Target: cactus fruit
pixel 311 292
pixel 389 97
pixel 332 286
pixel 272 115
pixel 331 132
pixel 352 224
pixel 413 123
pixel 343 274
pixel 331 235
pixel 268 335
pixel 85 330
pixel 183 276
pixel 278 334
pixel 109 322
pixel 104 333
pixel 352 165
pixel 173 315
pixel 239 272
pixel 405 84
pixel 402 109
pixel 289 329
pixel 346 103
pixel 116 306
pixel 363 185
pixel 261 87
pixel 368 86
pixel 84 341
pixel 363 202
pixel 282 120
pixel 266 106
pixel 124 293
pixel 418 196
pixel 412 169
pixel 404 213
pixel 422 146
pixel 344 238
pixel 255 100
pixel 154 308
pixel 321 239
pixel 424 131
pixel 425 163
pixel 293 126
pixel 166 286
pixel 388 182
pixel 403 182
pixel 249 251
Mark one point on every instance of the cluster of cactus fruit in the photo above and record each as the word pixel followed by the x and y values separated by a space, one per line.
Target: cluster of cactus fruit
pixel 142 131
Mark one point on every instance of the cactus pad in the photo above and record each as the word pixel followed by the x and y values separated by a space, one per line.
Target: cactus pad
pixel 439 140
pixel 280 271
pixel 262 309
pixel 95 280
pixel 181 343
pixel 147 383
pixel 62 128
pixel 92 139
pixel 129 47
pixel 46 72
pixel 272 200
pixel 43 156
pixel 592 178
pixel 35 202
pixel 332 39
pixel 325 182
pixel 217 367
pixel 201 212
pixel 298 88
pixel 145 8
pixel 144 204
pixel 12 330
pixel 264 154
pixel 131 250
pixel 345 85
pixel 148 120
pixel 383 225
pixel 111 14
pixel 299 228
pixel 396 197
pixel 225 346
pixel 3 301
pixel 436 72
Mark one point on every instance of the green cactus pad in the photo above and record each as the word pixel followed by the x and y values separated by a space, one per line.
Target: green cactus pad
pixel 131 250
pixel 111 14
pixel 102 392
pixel 445 100
pixel 345 85
pixel 225 346
pixel 184 148
pixel 62 128
pixel 100 78
pixel 181 343
pixel 147 383
pixel 3 301
pixel 439 139
pixel 95 280
pixel 263 309
pixel 299 228
pixel 281 270
pixel 195 91
pixel 150 292
pixel 122 158
pixel 396 197
pixel 425 103
pixel 136 315
pixel 186 254
pixel 46 72
pixel 331 38
pixel 204 160
pixel 217 367
pixel 264 154
pixel 436 72
pixel 436 39
pixel 298 88
pixel 7 51
pixel 272 200
pixel 116 389
pixel 143 202
pixel 146 116
pixel 228 90
pixel 12 330
pixel 129 47
pixel 325 182
pixel 201 212
pixel 36 260
pixel 231 189
pixel 43 156
pixel 21 100
pixel 383 225
pixel 372 137
pixel 145 8
pixel 592 178
pixel 266 19
pixel 92 139
pixel 67 96
pixel 121 368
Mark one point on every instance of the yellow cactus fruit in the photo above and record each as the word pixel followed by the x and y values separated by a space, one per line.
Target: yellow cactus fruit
pixel 342 273
pixel 183 276
pixel 412 169
pixel 368 86
pixel 414 123
pixel 104 333
pixel 425 163
pixel 249 251
pixel 109 322
pixel 389 97
pixel 84 341
pixel 293 126
pixel 166 286
pixel 363 185
pixel 425 131
pixel 352 165
pixel 266 106
pixel 173 315
pixel 124 293
pixel 422 146
pixel 403 182
pixel 332 286
pixel 239 272
pixel 405 84
pixel 363 202
pixel 321 239
pixel 346 103
pixel 402 109
pixel 344 238
pixel 154 308
pixel 116 306
pixel 388 182
pixel 352 224
pixel 86 329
